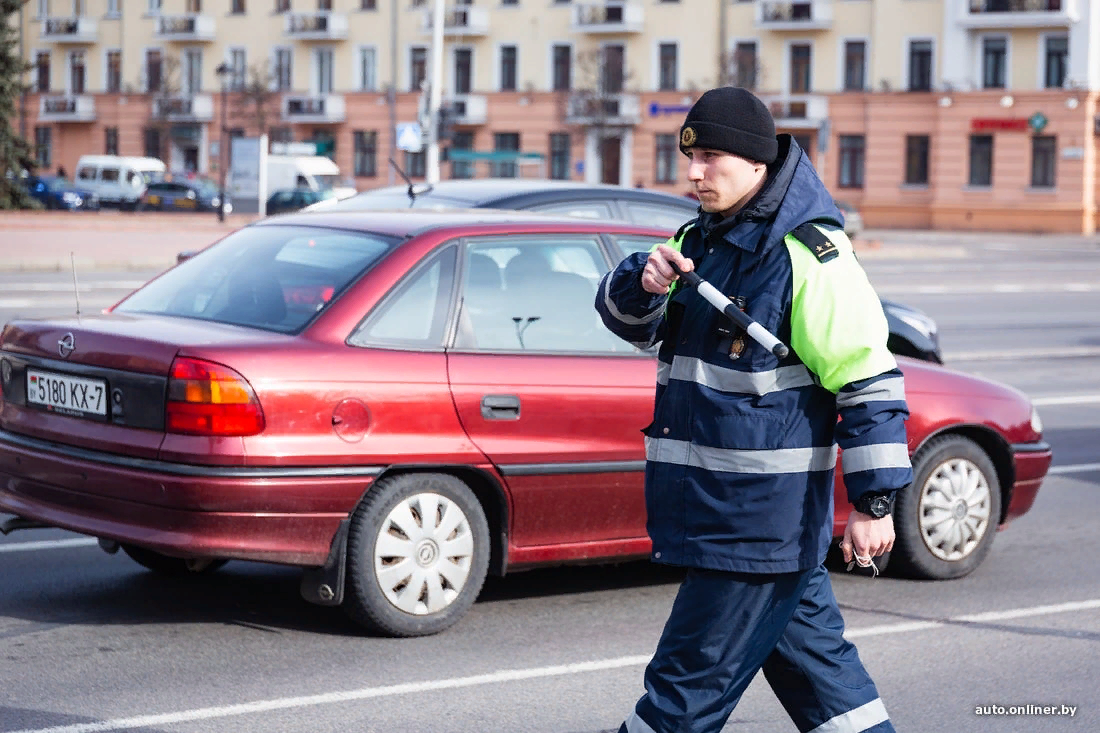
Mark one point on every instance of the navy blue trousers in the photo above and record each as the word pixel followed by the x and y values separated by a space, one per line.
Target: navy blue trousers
pixel 725 627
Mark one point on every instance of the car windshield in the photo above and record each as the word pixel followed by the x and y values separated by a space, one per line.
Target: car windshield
pixel 57 185
pixel 276 278
pixel 327 180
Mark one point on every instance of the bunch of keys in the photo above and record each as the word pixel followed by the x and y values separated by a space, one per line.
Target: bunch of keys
pixel 863 562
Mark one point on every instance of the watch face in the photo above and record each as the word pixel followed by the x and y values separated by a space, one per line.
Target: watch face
pixel 880 507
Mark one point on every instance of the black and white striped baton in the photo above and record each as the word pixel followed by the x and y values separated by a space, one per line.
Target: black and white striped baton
pixel 741 319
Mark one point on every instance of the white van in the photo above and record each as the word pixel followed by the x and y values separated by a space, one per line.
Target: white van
pixel 314 172
pixel 118 180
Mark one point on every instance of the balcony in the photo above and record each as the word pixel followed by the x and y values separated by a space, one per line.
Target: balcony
pixel 193 108
pixel 608 17
pixel 982 14
pixel 775 15
pixel 798 111
pixel 323 26
pixel 187 28
pixel 63 108
pixel 69 30
pixel 461 21
pixel 470 109
pixel 608 110
pixel 313 108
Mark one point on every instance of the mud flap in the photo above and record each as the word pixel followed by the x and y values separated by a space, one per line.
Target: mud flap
pixel 324 585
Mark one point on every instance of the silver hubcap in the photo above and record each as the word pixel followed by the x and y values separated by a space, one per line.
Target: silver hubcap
pixel 955 504
pixel 423 555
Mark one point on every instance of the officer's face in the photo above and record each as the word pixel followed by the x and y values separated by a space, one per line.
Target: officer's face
pixel 724 182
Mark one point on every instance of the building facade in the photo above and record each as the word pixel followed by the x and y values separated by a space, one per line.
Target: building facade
pixel 923 113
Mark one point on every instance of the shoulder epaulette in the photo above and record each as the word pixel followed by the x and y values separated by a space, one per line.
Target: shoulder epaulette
pixel 815 241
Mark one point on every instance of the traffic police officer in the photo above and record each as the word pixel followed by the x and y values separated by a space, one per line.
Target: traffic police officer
pixel 741 452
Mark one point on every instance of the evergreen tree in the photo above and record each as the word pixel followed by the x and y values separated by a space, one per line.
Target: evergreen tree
pixel 15 152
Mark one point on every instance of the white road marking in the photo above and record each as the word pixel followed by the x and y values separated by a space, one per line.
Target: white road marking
pixel 1071 399
pixel 366 693
pixel 1007 355
pixel 1075 468
pixel 49 545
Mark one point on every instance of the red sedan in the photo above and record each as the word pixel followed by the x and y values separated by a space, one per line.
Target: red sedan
pixel 401 403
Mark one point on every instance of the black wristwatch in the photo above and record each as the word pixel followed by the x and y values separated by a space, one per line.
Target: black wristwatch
pixel 875 505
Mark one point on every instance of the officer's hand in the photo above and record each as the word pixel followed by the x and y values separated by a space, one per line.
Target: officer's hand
pixel 658 275
pixel 866 536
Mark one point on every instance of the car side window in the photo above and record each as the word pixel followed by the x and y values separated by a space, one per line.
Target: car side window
pixel 109 175
pixel 86 174
pixel 631 243
pixel 657 215
pixel 584 209
pixel 533 293
pixel 414 314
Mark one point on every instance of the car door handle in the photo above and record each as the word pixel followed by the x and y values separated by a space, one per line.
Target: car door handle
pixel 500 407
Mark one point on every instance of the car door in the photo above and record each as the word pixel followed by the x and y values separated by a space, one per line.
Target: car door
pixel 553 399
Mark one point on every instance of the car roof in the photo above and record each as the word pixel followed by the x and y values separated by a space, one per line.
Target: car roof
pixel 411 223
pixel 485 192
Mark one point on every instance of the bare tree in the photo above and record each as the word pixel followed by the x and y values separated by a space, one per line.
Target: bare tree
pixel 600 78
pixel 163 89
pixel 256 101
pixel 740 68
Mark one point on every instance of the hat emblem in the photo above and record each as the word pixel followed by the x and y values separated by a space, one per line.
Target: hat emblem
pixel 687 137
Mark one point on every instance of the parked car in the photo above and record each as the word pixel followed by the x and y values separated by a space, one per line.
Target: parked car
pixel 183 194
pixel 912 332
pixel 117 180
pixel 286 200
pixel 54 192
pixel 853 220
pixel 472 415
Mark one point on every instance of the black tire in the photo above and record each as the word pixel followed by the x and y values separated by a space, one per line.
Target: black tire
pixel 945 522
pixel 372 601
pixel 174 566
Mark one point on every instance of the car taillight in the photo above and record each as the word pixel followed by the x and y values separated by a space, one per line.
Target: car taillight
pixel 205 398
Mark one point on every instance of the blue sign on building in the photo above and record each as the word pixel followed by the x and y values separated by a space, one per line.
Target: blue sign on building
pixel 656 109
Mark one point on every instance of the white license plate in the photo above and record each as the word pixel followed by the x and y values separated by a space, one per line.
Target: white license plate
pixel 66 394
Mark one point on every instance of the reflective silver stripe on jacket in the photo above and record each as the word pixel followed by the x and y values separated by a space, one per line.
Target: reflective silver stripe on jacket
pixel 886 390
pixel 634 724
pixel 622 317
pixel 733 460
pixel 854 721
pixel 876 456
pixel 692 369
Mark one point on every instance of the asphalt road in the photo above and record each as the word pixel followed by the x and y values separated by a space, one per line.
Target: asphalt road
pixel 90 642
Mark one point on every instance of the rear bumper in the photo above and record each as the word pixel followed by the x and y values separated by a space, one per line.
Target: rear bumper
pixel 1032 461
pixel 286 516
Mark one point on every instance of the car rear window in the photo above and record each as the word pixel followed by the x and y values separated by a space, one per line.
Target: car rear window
pixel 276 278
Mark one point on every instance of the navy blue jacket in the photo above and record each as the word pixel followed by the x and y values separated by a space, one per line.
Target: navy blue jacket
pixel 742 448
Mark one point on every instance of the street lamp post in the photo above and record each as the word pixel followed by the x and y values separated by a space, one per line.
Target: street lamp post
pixel 223 71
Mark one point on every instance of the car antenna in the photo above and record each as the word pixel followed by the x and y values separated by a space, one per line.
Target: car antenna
pixel 76 286
pixel 413 193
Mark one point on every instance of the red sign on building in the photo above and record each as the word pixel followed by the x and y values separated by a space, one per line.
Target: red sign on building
pixel 995 124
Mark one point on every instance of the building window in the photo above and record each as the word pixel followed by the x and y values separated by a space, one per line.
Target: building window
pixel 365 144
pixel 855 66
pixel 508 68
pixel 151 142
pixel 462 140
pixel 415 165
pixel 193 7
pixel 110 141
pixel 563 68
pixel 43 10
pixel 612 68
pixel 1057 62
pixel 42 71
pixel 668 76
pixel 509 2
pixel 505 142
pixel 323 64
pixel 238 66
pixel 851 161
pixel 192 71
pixel 42 157
pixel 744 64
pixel 368 69
pixel 920 66
pixel 801 67
pixel 667 153
pixel 1044 149
pixel 418 67
pixel 464 63
pixel 113 9
pixel 77 72
pixel 281 134
pixel 152 70
pixel 114 71
pixel 282 6
pixel 324 5
pixel 368 5
pixel 154 7
pixel 284 65
pixel 237 7
pixel 560 154
pixel 981 160
pixel 916 160
pixel 994 66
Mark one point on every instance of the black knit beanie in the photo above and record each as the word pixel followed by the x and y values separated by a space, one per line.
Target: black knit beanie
pixel 734 120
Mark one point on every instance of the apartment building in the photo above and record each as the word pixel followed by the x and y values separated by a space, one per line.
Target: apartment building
pixel 923 113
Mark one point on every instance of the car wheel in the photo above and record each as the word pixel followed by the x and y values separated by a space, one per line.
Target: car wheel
pixel 167 565
pixel 945 521
pixel 418 552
